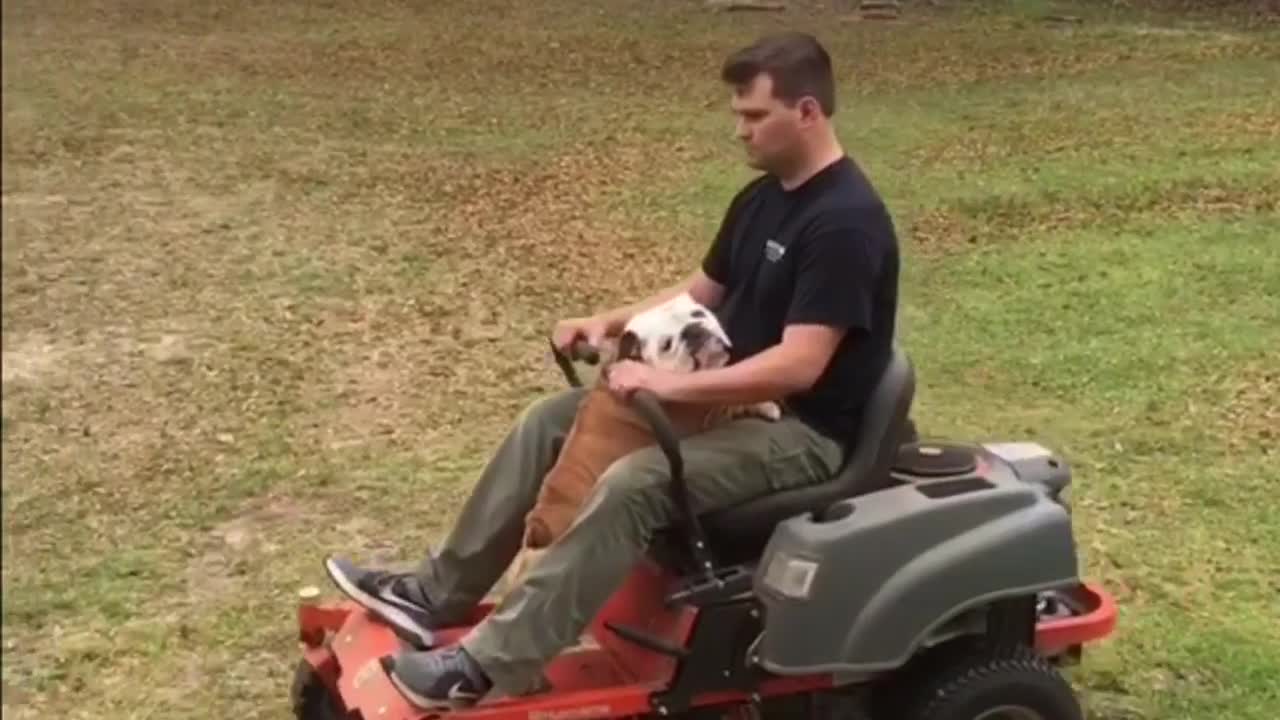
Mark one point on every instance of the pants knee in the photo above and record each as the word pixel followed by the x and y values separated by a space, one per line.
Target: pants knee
pixel 643 471
pixel 550 411
pixel 630 499
pixel 634 486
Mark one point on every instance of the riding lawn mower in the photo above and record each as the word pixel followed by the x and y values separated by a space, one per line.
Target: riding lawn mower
pixel 927 580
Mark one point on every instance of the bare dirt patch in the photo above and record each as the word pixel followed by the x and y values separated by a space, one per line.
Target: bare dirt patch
pixel 253 535
pixel 1251 418
pixel 33 359
pixel 478 327
pixel 236 555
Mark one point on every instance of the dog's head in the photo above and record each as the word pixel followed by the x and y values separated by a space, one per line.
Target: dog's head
pixel 679 335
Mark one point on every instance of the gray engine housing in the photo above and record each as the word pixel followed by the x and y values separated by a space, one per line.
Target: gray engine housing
pixel 894 566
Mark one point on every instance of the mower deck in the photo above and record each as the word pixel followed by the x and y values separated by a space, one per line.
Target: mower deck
pixel 605 676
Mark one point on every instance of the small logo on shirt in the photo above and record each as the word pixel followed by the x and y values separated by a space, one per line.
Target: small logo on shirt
pixel 774 250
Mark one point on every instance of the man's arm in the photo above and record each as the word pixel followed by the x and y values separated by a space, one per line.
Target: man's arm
pixel 836 279
pixel 792 366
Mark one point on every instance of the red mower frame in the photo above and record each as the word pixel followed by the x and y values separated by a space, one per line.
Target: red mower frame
pixel 607 676
pixel 664 644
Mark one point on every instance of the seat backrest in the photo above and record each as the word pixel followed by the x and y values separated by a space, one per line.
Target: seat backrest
pixel 881 431
pixel 742 528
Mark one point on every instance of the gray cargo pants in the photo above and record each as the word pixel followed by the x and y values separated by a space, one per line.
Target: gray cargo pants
pixel 576 576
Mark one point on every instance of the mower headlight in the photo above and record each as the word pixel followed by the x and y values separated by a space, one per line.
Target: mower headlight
pixel 791 576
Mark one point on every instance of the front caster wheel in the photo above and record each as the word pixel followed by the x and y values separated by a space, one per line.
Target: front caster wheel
pixel 311 698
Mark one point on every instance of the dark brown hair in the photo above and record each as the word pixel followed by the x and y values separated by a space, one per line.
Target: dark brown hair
pixel 796 61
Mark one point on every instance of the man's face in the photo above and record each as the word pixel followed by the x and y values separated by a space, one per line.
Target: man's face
pixel 769 129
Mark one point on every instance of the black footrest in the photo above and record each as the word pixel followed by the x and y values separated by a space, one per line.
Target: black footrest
pixel 647 641
pixel 726 584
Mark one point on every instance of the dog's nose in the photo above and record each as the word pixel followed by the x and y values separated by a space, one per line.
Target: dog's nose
pixel 694 335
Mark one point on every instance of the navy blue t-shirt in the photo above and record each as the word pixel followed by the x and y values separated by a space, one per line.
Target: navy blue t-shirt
pixel 823 253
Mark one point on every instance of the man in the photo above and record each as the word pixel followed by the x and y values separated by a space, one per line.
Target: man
pixel 804 272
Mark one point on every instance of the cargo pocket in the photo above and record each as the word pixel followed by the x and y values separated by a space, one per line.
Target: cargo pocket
pixel 799 456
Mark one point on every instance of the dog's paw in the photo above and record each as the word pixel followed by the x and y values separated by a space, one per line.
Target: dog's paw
pixel 770 411
pixel 537 534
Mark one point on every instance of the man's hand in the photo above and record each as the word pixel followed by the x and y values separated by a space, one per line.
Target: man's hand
pixel 593 329
pixel 628 376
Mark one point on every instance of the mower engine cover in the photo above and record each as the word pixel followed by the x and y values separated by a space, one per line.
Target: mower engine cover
pixel 858 587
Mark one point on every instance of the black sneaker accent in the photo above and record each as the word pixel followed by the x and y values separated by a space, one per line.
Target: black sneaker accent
pixel 438 679
pixel 379 592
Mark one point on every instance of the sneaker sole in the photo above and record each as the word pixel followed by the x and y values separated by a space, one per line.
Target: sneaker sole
pixel 426 703
pixel 403 626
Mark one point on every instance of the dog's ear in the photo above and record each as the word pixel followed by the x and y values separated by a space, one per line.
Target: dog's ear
pixel 629 346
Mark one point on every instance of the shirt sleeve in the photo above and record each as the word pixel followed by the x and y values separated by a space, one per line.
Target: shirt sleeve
pixel 718 261
pixel 837 278
pixel 717 264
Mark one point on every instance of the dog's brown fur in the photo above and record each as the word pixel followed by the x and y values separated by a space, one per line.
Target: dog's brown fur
pixel 605 430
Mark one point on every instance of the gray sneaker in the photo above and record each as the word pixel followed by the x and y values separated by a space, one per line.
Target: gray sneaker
pixel 438 679
pixel 383 594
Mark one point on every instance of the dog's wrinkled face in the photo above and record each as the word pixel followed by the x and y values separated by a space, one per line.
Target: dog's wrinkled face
pixel 679 335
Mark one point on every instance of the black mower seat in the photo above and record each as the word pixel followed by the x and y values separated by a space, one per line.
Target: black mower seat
pixel 740 532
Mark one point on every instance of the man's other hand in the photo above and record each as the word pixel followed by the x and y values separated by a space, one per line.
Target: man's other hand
pixel 628 376
pixel 593 329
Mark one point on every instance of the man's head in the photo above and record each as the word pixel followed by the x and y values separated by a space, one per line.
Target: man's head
pixel 783 97
pixel 679 335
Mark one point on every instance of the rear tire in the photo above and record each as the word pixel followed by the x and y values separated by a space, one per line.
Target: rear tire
pixel 1018 681
pixel 311 698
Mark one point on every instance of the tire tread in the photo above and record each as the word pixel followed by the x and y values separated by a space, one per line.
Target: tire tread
pixel 952 683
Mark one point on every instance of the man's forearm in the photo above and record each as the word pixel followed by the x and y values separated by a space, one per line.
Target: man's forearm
pixel 770 375
pixel 790 367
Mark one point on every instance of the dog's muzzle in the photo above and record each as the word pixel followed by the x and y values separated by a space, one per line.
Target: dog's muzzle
pixel 694 336
pixel 704 347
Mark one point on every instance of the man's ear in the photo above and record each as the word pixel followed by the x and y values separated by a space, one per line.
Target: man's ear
pixel 810 109
pixel 629 346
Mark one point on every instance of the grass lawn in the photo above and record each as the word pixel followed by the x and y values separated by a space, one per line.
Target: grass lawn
pixel 277 275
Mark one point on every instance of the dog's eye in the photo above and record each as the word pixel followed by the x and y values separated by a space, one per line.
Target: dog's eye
pixel 699 314
pixel 665 345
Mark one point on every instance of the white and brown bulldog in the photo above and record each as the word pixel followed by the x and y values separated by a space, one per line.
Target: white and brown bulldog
pixel 679 335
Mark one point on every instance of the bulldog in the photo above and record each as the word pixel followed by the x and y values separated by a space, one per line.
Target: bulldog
pixel 679 335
